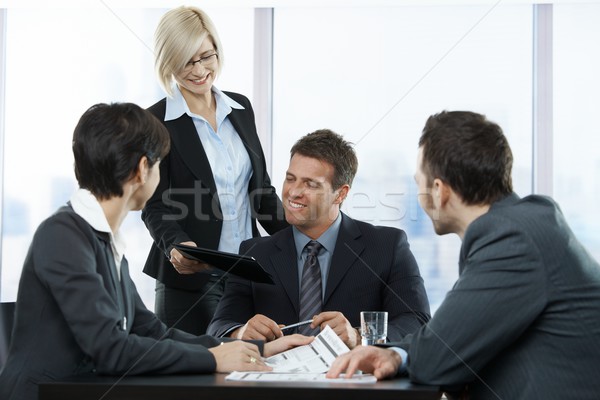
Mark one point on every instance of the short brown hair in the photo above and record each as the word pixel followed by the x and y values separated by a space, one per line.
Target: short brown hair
pixel 326 145
pixel 468 152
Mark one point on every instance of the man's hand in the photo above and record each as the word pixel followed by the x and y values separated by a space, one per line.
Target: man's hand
pixel 258 327
pixel 340 326
pixel 185 266
pixel 380 362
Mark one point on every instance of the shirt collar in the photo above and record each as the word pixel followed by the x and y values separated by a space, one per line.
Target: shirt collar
pixel 86 205
pixel 177 106
pixel 327 239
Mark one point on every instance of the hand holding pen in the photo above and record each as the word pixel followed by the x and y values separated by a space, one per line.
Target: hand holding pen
pixel 297 324
pixel 260 327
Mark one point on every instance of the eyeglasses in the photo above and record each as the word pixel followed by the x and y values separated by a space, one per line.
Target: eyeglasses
pixel 206 60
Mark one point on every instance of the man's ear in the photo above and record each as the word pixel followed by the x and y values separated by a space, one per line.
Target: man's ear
pixel 440 192
pixel 342 194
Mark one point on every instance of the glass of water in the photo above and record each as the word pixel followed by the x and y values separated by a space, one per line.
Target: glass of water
pixel 373 327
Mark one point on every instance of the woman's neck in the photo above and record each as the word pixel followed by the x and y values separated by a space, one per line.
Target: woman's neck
pixel 115 211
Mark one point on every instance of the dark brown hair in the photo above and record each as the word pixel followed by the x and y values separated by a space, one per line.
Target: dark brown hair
pixel 469 153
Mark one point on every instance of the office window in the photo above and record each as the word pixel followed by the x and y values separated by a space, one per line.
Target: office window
pixel 374 75
pixel 576 135
pixel 59 63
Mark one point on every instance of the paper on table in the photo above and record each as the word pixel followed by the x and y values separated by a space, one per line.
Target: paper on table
pixel 305 363
pixel 315 357
pixel 290 377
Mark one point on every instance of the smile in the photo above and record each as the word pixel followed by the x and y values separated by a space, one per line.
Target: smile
pixel 295 205
pixel 200 81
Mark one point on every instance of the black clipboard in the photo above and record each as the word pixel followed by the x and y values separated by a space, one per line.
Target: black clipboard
pixel 242 266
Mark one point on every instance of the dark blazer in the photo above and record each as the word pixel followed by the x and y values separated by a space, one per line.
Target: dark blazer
pixel 372 269
pixel 185 205
pixel 73 316
pixel 523 318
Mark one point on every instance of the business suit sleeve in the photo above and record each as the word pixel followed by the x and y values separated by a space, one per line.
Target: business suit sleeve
pixel 147 324
pixel 265 204
pixel 235 308
pixel 270 213
pixel 500 291
pixel 406 298
pixel 158 215
pixel 66 260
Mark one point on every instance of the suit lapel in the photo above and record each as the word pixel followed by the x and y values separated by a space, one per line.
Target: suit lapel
pixel 285 266
pixel 348 248
pixel 184 138
pixel 116 288
pixel 242 128
pixel 128 302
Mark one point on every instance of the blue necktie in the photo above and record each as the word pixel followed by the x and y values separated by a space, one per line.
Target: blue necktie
pixel 310 288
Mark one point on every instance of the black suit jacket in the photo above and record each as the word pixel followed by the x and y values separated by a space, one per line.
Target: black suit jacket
pixel 372 269
pixel 73 316
pixel 185 205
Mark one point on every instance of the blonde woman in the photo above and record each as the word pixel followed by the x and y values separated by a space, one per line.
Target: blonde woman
pixel 214 185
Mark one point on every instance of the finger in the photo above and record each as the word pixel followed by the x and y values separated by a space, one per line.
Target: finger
pixel 300 340
pixel 277 333
pixel 352 366
pixel 326 318
pixel 267 328
pixel 253 355
pixel 382 373
pixel 273 331
pixel 259 331
pixel 182 269
pixel 186 262
pixel 337 367
pixel 252 348
pixel 263 368
pixel 186 272
pixel 253 334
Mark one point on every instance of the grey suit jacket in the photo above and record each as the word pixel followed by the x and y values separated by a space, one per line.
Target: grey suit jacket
pixel 523 319
pixel 372 268
pixel 73 316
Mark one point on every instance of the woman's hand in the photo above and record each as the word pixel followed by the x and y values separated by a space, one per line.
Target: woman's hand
pixel 185 266
pixel 285 343
pixel 238 356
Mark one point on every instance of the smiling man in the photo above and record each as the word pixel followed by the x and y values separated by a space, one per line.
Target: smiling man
pixel 355 266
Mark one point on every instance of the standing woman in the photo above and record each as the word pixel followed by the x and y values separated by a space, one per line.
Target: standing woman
pixel 214 184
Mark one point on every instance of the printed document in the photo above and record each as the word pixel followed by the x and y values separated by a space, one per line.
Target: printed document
pixel 305 363
pixel 289 377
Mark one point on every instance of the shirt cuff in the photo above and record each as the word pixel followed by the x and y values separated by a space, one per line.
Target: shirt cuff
pixel 403 355
pixel 228 331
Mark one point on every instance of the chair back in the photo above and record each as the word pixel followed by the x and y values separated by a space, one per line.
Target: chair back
pixel 7 314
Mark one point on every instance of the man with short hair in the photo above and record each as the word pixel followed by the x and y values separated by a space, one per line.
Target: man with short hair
pixel 522 320
pixel 359 267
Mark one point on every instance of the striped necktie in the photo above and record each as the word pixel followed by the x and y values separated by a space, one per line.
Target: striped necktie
pixel 310 288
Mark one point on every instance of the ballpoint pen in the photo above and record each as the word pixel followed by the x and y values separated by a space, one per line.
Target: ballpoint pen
pixel 297 324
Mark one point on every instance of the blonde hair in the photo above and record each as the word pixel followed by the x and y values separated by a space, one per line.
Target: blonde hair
pixel 178 37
